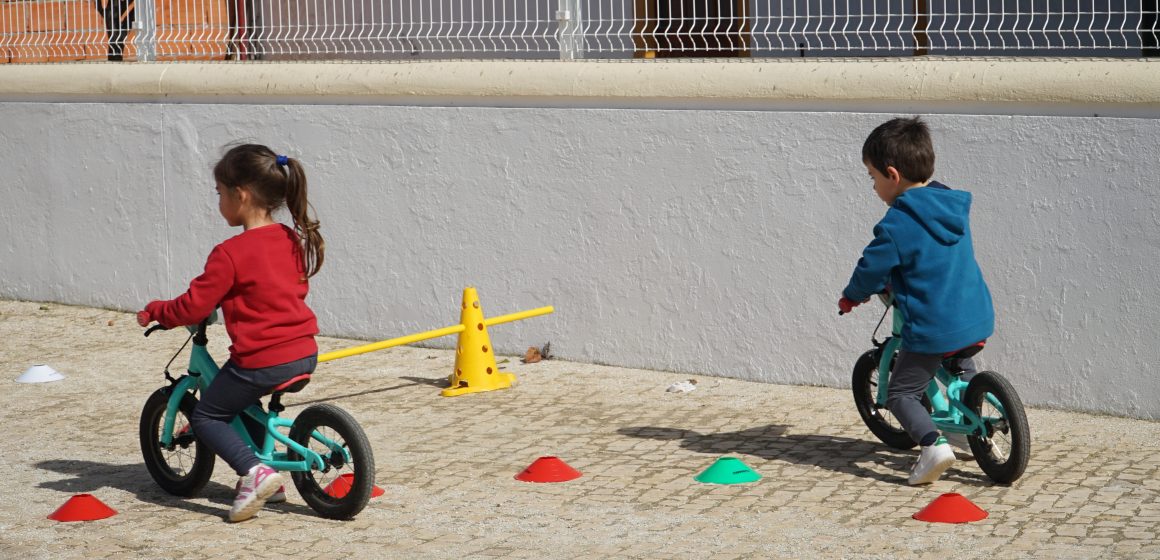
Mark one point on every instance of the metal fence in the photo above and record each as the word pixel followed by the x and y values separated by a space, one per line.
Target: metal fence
pixel 59 30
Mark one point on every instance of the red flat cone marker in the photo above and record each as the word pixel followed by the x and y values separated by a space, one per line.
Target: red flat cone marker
pixel 548 469
pixel 950 508
pixel 82 507
pixel 341 487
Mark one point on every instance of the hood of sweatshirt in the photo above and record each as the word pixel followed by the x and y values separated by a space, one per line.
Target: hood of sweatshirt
pixel 941 211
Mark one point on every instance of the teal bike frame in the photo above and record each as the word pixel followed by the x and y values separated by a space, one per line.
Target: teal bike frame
pixel 947 409
pixel 202 371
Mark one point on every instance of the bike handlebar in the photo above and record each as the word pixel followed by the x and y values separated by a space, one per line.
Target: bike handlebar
pixel 157 327
pixel 200 327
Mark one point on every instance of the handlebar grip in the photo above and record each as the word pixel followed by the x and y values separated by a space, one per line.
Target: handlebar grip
pixel 157 327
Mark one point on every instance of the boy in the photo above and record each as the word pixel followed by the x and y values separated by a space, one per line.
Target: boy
pixel 922 251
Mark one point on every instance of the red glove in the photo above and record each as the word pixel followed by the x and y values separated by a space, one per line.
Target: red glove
pixel 143 318
pixel 847 305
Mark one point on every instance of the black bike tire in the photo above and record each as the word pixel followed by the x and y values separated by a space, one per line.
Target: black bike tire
pixel 362 459
pixel 864 396
pixel 163 474
pixel 1018 428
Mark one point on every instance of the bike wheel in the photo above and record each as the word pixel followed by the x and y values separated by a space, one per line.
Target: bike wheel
pixel 342 489
pixel 184 467
pixel 1004 450
pixel 881 421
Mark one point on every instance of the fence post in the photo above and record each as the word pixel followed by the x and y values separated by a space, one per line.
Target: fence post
pixel 1149 33
pixel 571 24
pixel 921 22
pixel 146 40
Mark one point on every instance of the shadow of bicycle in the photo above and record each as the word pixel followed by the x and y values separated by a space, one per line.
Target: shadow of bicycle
pixel 89 477
pixel 838 454
pixel 414 381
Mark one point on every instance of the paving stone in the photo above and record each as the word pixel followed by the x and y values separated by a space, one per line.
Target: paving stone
pixel 828 489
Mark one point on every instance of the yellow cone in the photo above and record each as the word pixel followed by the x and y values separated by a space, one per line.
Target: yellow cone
pixel 475 369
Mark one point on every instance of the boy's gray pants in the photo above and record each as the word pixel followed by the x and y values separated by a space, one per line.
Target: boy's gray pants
pixel 908 382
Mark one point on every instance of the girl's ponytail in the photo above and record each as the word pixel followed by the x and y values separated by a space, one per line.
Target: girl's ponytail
pixel 273 180
pixel 314 248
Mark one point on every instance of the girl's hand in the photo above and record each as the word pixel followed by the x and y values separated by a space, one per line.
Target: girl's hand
pixel 143 318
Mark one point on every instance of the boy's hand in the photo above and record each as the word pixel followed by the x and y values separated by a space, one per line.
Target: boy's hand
pixel 143 318
pixel 846 305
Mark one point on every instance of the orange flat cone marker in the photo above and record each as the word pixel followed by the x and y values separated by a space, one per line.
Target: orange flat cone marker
pixel 950 508
pixel 341 487
pixel 82 507
pixel 548 469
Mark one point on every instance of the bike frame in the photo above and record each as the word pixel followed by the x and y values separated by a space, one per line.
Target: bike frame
pixel 202 371
pixel 947 408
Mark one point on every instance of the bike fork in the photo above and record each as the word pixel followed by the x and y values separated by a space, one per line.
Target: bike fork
pixel 184 384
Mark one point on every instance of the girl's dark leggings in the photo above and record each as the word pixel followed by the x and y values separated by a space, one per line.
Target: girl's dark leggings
pixel 908 382
pixel 228 395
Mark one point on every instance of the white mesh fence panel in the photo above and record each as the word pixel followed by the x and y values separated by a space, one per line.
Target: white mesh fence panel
pixel 49 30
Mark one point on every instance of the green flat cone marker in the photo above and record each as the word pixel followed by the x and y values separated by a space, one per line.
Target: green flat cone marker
pixel 728 470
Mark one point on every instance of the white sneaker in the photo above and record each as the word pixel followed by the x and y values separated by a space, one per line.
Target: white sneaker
pixel 253 491
pixel 932 462
pixel 959 442
pixel 278 496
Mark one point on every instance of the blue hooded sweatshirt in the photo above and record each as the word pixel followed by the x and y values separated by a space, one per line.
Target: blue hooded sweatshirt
pixel 922 248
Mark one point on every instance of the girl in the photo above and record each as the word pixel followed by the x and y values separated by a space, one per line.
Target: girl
pixel 260 279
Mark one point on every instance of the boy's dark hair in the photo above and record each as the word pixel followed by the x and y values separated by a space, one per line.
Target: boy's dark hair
pixel 904 144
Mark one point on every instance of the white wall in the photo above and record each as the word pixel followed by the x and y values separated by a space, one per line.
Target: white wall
pixel 707 241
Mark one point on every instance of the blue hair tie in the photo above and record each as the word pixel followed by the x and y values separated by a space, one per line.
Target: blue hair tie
pixel 282 160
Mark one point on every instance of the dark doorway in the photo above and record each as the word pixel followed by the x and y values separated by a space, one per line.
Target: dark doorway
pixel 691 28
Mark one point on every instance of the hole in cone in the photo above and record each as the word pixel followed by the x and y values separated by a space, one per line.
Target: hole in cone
pixel 82 507
pixel 341 487
pixel 951 508
pixel 548 469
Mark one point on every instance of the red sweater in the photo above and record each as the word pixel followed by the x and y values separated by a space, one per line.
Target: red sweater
pixel 257 279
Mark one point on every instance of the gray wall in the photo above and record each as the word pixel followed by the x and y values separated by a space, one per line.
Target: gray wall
pixel 706 241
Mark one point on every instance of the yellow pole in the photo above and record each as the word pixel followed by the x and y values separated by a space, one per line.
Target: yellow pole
pixel 517 316
pixel 409 339
pixel 419 337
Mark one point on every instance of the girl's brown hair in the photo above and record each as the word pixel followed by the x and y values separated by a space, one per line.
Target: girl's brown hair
pixel 275 181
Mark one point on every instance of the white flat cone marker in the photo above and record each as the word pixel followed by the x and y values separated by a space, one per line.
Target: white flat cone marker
pixel 40 373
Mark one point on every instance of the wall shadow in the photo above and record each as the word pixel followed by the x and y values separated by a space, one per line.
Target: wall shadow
pixel 838 454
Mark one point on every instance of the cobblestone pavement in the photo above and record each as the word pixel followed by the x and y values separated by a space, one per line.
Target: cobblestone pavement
pixel 829 489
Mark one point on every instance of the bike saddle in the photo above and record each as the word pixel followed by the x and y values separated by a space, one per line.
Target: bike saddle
pixel 293 385
pixel 951 359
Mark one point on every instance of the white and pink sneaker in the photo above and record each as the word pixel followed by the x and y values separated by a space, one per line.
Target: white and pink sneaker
pixel 278 496
pixel 253 490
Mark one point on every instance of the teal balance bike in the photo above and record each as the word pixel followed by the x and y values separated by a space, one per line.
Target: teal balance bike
pixel 324 449
pixel 986 410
